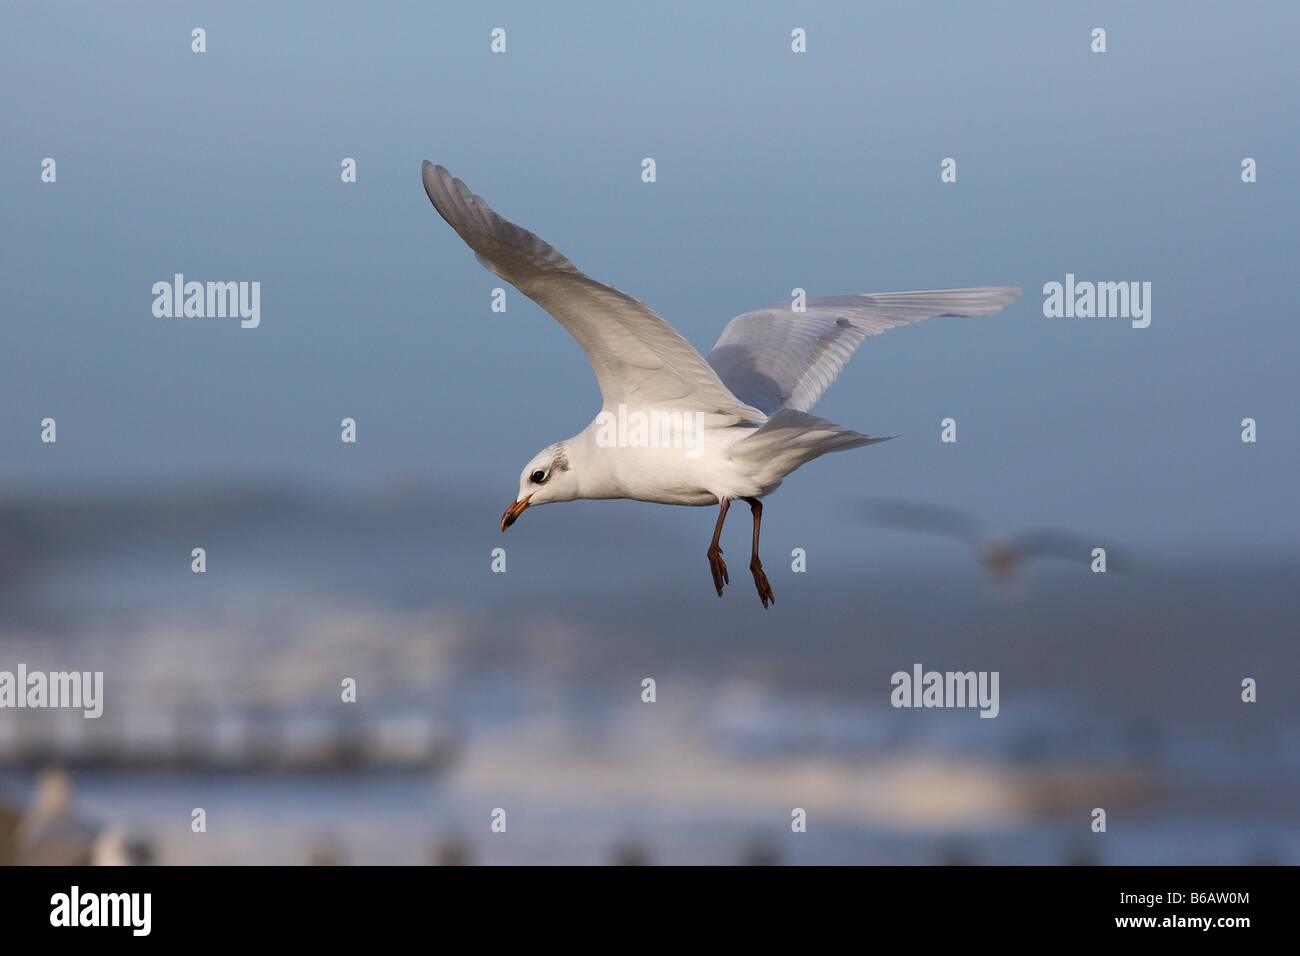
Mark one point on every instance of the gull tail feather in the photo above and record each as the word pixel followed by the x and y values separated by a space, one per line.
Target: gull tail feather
pixel 792 438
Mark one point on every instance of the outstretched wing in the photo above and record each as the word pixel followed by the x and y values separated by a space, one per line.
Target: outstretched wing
pixel 639 359
pixel 1068 546
pixel 914 516
pixel 777 358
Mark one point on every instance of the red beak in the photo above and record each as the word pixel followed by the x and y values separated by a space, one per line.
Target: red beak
pixel 513 512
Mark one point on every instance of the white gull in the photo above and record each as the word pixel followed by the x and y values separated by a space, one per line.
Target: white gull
pixel 703 431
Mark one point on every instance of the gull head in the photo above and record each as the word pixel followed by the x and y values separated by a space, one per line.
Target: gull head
pixel 548 477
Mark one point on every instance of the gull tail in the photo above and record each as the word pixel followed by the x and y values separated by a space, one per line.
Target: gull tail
pixel 792 438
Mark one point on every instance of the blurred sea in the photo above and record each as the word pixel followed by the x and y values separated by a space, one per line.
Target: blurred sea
pixel 522 691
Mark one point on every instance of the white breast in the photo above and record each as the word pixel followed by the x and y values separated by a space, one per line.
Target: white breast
pixel 688 467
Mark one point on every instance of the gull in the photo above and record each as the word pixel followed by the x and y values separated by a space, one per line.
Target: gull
pixel 1001 556
pixel 724 428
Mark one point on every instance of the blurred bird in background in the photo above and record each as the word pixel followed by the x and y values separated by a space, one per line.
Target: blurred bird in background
pixel 1000 556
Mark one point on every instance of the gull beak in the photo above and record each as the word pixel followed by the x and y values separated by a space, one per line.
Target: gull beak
pixel 513 512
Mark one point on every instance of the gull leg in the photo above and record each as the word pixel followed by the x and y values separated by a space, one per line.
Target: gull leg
pixel 716 564
pixel 756 566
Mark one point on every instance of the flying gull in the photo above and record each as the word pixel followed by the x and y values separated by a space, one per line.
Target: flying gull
pixel 727 427
pixel 1001 556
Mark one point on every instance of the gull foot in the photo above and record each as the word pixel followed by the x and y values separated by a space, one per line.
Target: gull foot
pixel 719 569
pixel 760 581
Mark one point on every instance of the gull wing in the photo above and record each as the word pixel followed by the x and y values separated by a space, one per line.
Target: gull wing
pixel 777 358
pixel 639 359
pixel 1068 546
pixel 915 516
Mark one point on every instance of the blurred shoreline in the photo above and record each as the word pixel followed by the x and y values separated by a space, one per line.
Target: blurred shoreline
pixel 474 692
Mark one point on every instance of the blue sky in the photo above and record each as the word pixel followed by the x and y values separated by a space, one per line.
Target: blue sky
pixel 775 170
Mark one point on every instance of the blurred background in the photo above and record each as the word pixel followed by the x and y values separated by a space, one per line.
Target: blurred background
pixel 522 690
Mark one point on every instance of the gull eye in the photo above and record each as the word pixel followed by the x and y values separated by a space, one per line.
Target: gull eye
pixel 537 477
